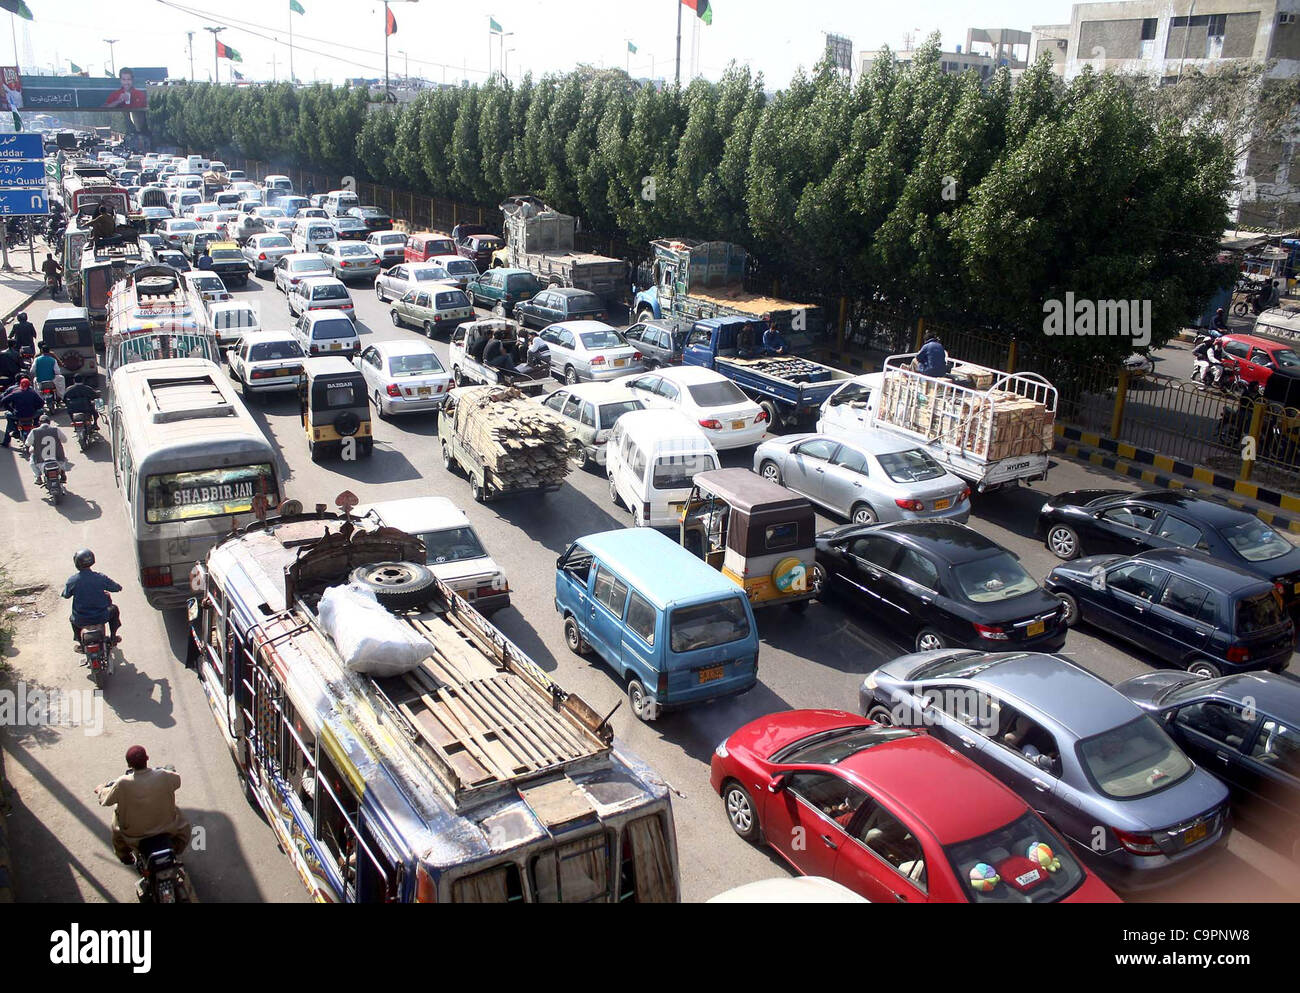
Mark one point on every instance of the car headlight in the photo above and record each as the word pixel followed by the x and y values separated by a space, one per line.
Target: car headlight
pixel 721 750
pixel 1046 508
pixel 870 682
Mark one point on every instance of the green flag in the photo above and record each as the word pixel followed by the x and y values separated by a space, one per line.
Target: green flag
pixel 631 48
pixel 76 68
pixel 493 26
pixel 16 7
pixel 18 122
pixel 295 7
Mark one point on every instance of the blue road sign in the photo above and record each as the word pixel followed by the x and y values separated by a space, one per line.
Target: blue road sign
pixel 22 203
pixel 21 172
pixel 21 146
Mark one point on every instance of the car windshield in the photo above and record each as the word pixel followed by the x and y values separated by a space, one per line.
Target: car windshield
pixel 274 241
pixel 320 234
pixel 1023 862
pixel 414 365
pixel 240 317
pixel 521 283
pixel 353 250
pixel 183 226
pixel 225 255
pixel 1286 358
pixel 602 339
pixel 833 747
pixel 310 265
pixel 271 351
pixel 339 327
pixel 912 466
pixel 392 239
pixel 452 298
pixel 723 393
pixel 675 472
pixel 1259 613
pixel 462 267
pixel 611 412
pixel 329 291
pixel 705 625
pixel 993 578
pixel 429 275
pixel 452 545
pixel 269 212
pixel 1255 541
pixel 1132 760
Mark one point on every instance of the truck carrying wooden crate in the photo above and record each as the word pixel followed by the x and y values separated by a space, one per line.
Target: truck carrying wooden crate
pixel 542 240
pixel 693 280
pixel 997 430
pixel 504 442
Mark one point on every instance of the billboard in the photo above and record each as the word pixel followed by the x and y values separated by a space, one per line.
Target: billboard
pixel 840 50
pixel 11 88
pixel 55 93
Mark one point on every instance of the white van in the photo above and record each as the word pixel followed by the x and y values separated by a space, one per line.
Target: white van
pixel 311 234
pixel 277 182
pixel 230 320
pixel 182 199
pixel 651 459
pixel 194 163
pixel 339 202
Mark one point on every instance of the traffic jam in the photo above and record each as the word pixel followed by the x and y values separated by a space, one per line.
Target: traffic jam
pixel 504 583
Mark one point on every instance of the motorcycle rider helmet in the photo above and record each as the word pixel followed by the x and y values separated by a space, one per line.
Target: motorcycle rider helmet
pixel 45 418
pixel 84 559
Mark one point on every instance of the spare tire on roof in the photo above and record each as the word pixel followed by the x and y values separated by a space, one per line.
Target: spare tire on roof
pixel 396 584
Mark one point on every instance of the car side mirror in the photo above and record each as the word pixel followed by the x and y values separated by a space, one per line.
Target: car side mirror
pixel 777 783
pixel 1044 762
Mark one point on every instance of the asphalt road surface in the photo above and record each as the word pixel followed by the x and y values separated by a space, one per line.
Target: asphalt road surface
pixel 817 659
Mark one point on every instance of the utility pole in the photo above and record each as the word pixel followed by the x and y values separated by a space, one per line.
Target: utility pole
pixel 189 35
pixel 110 42
pixel 216 68
pixel 679 43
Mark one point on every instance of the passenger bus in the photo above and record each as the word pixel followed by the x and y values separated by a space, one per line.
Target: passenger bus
pixel 190 464
pixel 469 778
pixel 150 317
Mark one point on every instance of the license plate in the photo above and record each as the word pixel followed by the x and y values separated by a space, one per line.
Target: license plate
pixel 1196 834
pixel 737 425
pixel 619 363
pixel 281 372
pixel 424 391
pixel 335 347
pixel 676 507
pixel 1034 629
pixel 713 672
pixel 942 504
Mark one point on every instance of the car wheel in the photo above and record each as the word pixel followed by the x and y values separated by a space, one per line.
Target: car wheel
pixel 379 292
pixel 741 814
pixel 929 640
pixel 379 408
pixel 880 714
pixel 392 316
pixel 573 638
pixel 500 309
pixel 428 329
pixel 638 517
pixel 770 471
pixel 862 513
pixel 457 377
pixel 1206 670
pixel 1063 542
pixel 571 375
pixel 396 584
pixel 639 701
pixel 1071 606
pixel 819 581
pixel 448 462
pixel 773 415
pixel 613 493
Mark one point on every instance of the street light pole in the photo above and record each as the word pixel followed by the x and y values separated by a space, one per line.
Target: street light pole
pixel 190 43
pixel 216 68
pixel 112 61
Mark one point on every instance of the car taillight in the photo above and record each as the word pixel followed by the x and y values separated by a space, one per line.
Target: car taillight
pixel 489 591
pixel 761 418
pixel 910 504
pixel 1238 653
pixel 1138 844
pixel 662 685
pixel 261 257
pixel 345 264
pixel 636 356
pixel 393 391
pixel 153 576
pixel 259 374
pixel 426 890
pixel 508 298
pixel 347 306
pixel 965 495
pixel 315 349
pixel 598 360
pixel 437 317
pixel 992 632
pixel 711 424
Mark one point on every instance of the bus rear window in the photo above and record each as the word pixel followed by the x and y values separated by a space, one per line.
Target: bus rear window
pixel 200 493
pixel 500 884
pixel 707 624
pixel 577 872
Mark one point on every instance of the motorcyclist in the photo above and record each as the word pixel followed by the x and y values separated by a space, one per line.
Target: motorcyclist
pixel 80 398
pixel 46 444
pixel 45 368
pixel 24 333
pixel 146 806
pixel 91 604
pixel 22 404
pixel 10 365
pixel 1220 324
pixel 53 271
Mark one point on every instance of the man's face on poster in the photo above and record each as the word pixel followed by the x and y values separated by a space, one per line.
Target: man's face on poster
pixel 128 79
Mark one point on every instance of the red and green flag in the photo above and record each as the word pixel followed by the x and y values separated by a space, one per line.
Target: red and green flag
pixel 703 9
pixel 391 27
pixel 224 51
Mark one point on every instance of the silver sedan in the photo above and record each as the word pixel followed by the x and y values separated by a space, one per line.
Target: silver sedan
pixel 874 479
pixel 403 376
pixel 393 284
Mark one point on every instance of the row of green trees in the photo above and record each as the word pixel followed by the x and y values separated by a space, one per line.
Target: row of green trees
pixel 931 193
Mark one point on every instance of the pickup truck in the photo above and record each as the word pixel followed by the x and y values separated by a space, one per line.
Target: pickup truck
pixel 543 241
pixel 991 428
pixel 787 387
pixel 466 370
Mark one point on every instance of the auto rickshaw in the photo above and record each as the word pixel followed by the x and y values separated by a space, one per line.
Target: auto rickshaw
pixel 71 340
pixel 334 408
pixel 756 532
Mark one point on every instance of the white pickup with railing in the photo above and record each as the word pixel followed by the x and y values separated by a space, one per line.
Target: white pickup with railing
pixel 996 430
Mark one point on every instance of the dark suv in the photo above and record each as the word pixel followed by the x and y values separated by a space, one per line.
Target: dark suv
pixel 660 342
pixel 500 289
pixel 560 303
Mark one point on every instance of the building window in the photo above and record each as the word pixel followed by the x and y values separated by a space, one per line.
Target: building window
pixel 1216 27
pixel 1147 45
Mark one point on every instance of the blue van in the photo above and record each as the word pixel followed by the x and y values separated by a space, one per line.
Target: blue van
pixel 679 631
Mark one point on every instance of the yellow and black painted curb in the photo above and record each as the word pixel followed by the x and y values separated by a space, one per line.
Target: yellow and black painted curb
pixel 1161 470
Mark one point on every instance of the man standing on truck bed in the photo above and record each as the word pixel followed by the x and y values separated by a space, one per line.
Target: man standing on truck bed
pixel 932 360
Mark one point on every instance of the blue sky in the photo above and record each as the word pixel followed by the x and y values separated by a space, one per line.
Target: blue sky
pixel 451 39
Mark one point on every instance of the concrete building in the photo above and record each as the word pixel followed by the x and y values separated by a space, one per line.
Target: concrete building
pixel 1166 38
pixel 985 50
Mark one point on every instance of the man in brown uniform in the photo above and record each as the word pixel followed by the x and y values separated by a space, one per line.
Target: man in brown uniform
pixel 104 224
pixel 146 805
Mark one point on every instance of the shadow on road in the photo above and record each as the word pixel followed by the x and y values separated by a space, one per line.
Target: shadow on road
pixel 1014 509
pixel 130 692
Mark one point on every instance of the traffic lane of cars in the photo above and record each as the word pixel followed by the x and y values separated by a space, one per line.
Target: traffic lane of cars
pixel 815 661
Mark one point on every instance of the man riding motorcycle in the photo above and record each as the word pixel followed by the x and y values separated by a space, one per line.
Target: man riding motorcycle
pixel 45 369
pixel 80 398
pixel 53 272
pixel 10 365
pixel 22 404
pixel 46 444
pixel 23 334
pixel 146 806
pixel 89 592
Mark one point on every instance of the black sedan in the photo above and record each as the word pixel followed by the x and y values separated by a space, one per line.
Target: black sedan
pixel 1245 729
pixel 1207 616
pixel 373 218
pixel 942 583
pixel 1118 522
pixel 559 303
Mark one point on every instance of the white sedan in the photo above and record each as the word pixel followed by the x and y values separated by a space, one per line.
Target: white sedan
pixel 173 229
pixel 459 271
pixel 393 284
pixel 263 251
pixel 728 418
pixel 403 376
pixel 293 268
pixel 267 361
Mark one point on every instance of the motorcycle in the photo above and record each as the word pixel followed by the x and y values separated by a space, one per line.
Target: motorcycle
pixel 162 873
pixel 54 479
pixel 24 427
pixel 92 641
pixel 55 285
pixel 84 426
pixel 25 356
pixel 49 394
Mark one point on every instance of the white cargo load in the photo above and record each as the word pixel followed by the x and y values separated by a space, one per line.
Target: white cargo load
pixel 369 638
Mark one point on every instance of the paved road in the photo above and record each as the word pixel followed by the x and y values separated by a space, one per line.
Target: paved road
pixel 816 660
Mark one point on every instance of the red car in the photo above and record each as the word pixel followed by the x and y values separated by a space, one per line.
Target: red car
pixel 892 813
pixel 1254 359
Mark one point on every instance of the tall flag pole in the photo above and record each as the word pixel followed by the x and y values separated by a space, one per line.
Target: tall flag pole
pixel 294 8
pixel 495 29
pixel 390 29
